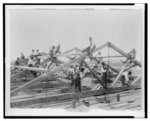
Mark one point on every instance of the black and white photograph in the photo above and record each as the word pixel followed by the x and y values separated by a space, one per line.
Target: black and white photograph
pixel 75 60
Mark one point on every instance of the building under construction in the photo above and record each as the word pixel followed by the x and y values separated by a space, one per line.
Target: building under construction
pixel 52 87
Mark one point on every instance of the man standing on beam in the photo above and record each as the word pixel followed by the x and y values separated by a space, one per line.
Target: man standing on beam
pixel 104 73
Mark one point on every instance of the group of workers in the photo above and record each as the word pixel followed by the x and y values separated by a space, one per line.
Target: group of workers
pixel 30 62
pixel 17 62
pixel 33 58
pixel 77 71
pixel 34 54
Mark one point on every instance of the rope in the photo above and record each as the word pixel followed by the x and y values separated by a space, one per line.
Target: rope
pixel 116 55
pixel 106 94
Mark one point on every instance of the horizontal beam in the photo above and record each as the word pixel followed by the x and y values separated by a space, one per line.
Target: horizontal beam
pixel 110 56
pixel 67 96
pixel 32 68
pixel 113 69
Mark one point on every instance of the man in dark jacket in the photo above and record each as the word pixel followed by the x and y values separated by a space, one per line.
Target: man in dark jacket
pixel 104 73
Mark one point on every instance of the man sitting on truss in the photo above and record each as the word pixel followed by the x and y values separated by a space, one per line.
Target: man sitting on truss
pixel 132 55
pixel 126 78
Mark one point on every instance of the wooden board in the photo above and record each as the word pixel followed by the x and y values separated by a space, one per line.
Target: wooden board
pixel 69 96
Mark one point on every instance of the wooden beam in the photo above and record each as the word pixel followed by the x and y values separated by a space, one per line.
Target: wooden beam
pixel 120 73
pixel 102 46
pixel 32 68
pixel 125 69
pixel 93 72
pixel 67 96
pixel 123 53
pixel 110 56
pixel 49 73
pixel 137 79
pixel 75 48
pixel 113 69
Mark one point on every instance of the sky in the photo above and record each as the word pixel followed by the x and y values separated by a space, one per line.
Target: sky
pixel 40 29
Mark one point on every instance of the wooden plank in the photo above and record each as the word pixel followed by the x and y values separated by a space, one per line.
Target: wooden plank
pixel 112 56
pixel 124 104
pixel 94 103
pixel 130 106
pixel 120 73
pixel 32 68
pixel 92 100
pixel 70 96
pixel 114 103
pixel 137 79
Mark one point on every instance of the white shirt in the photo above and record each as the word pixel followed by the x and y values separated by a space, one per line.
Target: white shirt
pixel 31 62
pixel 81 74
pixel 103 70
pixel 71 70
pixel 126 75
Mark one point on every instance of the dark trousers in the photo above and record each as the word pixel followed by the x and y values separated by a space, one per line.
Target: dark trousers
pixel 122 78
pixel 105 78
pixel 78 84
pixel 33 72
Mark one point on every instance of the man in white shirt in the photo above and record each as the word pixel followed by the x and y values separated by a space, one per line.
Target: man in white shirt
pixel 126 78
pixel 31 62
